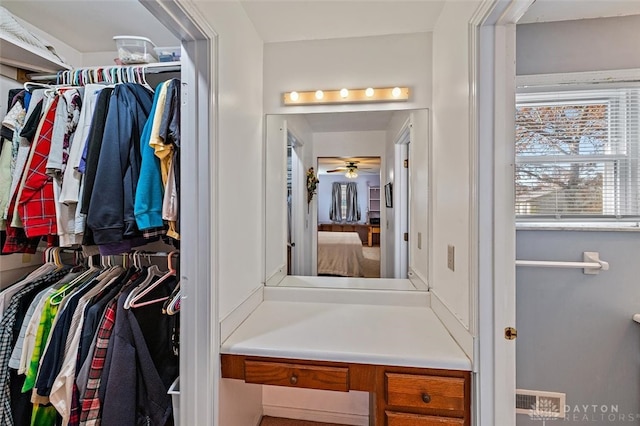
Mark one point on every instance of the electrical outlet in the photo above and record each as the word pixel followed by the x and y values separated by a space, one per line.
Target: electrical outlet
pixel 451 256
pixel 419 240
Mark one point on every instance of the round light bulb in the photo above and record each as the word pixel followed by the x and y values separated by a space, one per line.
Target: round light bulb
pixel 344 93
pixel 319 94
pixel 369 92
pixel 294 96
pixel 396 92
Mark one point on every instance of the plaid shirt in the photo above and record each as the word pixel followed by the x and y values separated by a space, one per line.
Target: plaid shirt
pixel 36 205
pixel 77 409
pixel 74 417
pixel 17 241
pixel 90 414
pixel 6 340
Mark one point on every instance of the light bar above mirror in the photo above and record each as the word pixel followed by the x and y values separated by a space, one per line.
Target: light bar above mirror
pixel 346 96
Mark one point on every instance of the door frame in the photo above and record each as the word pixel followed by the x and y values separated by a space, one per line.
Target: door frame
pixel 401 196
pixel 298 192
pixel 492 34
pixel 199 333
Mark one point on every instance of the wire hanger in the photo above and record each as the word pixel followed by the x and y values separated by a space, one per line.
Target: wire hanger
pixel 135 300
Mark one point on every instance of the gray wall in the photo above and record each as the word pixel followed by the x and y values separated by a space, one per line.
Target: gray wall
pixel 575 331
pixel 572 46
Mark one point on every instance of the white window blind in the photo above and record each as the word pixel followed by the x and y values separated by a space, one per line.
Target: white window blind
pixel 577 155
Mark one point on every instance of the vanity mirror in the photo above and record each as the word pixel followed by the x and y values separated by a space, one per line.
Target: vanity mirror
pixel 349 230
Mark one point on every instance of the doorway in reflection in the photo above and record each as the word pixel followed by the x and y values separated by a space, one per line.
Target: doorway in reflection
pixel 349 212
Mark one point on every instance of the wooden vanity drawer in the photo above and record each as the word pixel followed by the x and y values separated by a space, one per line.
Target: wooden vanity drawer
pixel 297 375
pixel 432 392
pixel 406 419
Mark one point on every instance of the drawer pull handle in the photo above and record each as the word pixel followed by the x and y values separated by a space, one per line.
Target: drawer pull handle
pixel 426 398
pixel 293 379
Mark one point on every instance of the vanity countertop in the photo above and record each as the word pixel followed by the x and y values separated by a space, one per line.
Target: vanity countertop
pixel 408 336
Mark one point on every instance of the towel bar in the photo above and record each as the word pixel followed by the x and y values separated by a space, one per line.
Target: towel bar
pixel 591 265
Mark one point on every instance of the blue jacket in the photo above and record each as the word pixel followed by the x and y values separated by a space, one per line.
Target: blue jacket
pixel 148 197
pixel 111 210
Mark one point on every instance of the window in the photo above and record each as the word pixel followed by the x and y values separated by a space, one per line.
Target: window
pixel 343 200
pixel 577 156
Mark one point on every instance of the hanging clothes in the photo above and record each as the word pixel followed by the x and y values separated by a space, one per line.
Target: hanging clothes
pixel 36 203
pixel 149 196
pixel 22 298
pixel 111 211
pixel 66 339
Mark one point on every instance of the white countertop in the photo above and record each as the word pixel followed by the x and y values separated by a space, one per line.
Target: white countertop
pixel 357 333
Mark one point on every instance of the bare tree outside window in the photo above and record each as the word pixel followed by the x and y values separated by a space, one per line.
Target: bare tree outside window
pixel 573 157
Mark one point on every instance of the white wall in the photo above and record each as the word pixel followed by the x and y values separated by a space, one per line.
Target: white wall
pixel 451 164
pixel 240 125
pixel 325 188
pixel 349 144
pixel 391 60
pixel 572 46
pixel 275 179
pixel 420 238
pixel 239 133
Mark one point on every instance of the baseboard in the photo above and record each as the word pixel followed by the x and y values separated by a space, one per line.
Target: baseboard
pixel 417 280
pixel 277 276
pixel 315 415
pixel 240 313
pixel 458 331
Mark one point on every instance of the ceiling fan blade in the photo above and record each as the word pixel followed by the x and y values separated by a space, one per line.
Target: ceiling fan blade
pixel 335 170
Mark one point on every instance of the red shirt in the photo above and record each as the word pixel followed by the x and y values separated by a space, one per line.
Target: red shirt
pixel 36 206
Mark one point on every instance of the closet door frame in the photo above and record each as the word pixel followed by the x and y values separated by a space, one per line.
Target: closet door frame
pixel 199 337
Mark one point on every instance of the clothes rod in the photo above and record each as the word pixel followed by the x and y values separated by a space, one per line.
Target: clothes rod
pixel 591 264
pixel 158 68
pixel 142 253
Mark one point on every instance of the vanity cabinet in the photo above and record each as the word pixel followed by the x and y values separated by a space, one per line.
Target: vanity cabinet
pixel 399 396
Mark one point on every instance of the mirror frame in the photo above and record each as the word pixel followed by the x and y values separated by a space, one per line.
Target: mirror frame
pixel 406 132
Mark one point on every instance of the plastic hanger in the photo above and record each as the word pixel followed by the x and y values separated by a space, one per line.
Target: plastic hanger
pixel 135 300
pixel 173 307
pixel 144 78
pixel 152 272
pixel 29 85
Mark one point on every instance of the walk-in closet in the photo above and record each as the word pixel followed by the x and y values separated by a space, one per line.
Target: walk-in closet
pixel 92 244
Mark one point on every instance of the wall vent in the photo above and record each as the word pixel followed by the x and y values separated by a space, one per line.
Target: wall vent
pixel 540 405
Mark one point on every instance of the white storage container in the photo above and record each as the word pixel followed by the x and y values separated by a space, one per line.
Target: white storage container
pixel 135 50
pixel 174 391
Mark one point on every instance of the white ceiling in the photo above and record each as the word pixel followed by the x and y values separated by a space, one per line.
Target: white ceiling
pixel 566 10
pixel 89 26
pixel 278 21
